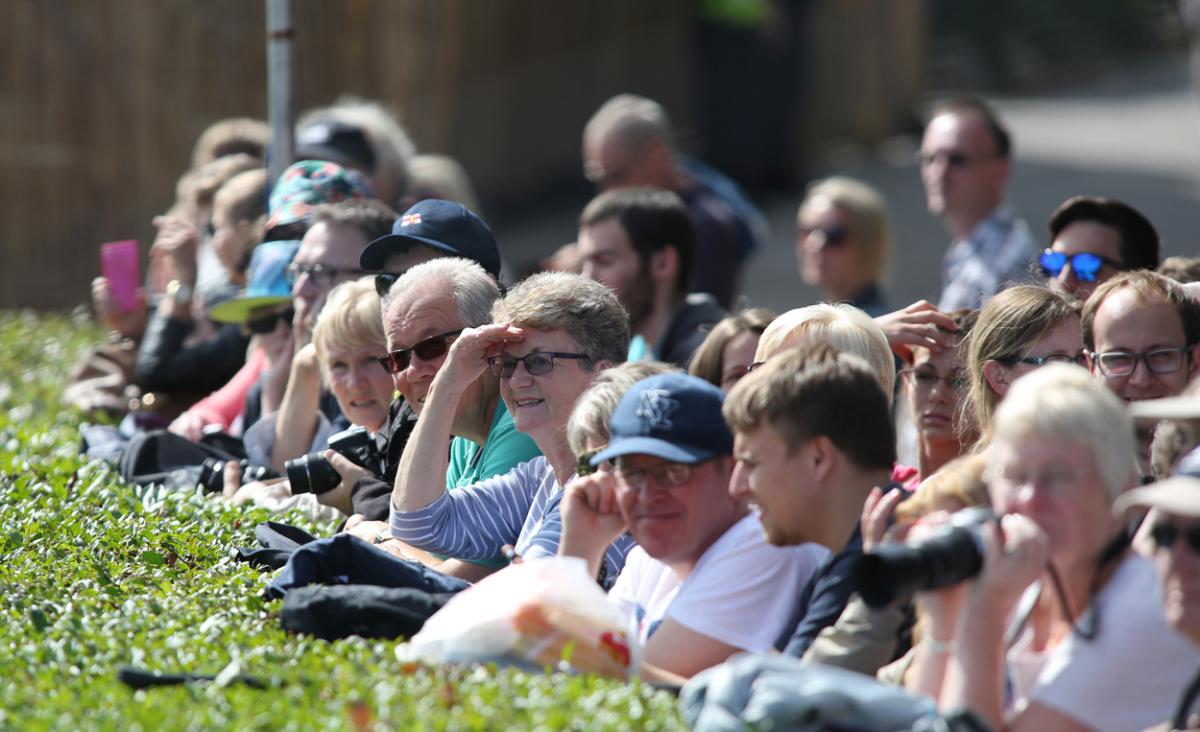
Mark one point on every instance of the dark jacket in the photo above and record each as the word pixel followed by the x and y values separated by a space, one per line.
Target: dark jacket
pixel 688 328
pixel 165 364
pixel 372 496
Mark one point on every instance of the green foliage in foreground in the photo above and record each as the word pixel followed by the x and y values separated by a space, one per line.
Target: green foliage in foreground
pixel 95 575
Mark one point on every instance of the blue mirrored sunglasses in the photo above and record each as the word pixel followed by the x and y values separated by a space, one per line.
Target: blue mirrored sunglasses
pixel 1085 265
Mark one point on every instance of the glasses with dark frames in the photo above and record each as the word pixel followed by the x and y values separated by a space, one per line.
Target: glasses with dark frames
pixel 536 363
pixel 1159 360
pixel 1078 359
pixel 432 347
pixel 322 275
pixel 1165 534
pixel 833 236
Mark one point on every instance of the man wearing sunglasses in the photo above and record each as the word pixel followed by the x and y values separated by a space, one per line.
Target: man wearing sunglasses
pixel 1141 331
pixel 703 583
pixel 965 163
pixel 1094 239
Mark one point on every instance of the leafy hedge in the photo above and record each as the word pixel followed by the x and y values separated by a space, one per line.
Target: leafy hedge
pixel 95 575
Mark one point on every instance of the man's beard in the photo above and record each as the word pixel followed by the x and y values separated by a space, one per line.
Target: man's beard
pixel 639 299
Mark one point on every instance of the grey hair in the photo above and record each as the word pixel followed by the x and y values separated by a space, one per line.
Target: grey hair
pixel 473 289
pixel 594 408
pixel 584 309
pixel 1062 401
pixel 631 119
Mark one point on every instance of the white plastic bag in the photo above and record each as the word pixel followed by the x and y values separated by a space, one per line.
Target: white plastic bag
pixel 534 614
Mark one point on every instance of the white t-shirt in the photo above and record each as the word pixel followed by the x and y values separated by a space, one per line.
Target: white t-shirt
pixel 740 593
pixel 1130 676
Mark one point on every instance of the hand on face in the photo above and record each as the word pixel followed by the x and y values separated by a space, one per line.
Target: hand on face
pixel 591 514
pixel 920 324
pixel 468 357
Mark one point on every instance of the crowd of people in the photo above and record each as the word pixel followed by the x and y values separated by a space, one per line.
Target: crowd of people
pixel 349 330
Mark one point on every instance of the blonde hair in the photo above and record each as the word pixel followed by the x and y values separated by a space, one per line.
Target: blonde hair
pixel 959 481
pixel 594 408
pixel 349 319
pixel 870 227
pixel 844 327
pixel 1064 402
pixel 1009 323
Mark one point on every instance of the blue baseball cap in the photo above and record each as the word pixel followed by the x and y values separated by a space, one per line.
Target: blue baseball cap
pixel 266 283
pixel 675 417
pixel 445 225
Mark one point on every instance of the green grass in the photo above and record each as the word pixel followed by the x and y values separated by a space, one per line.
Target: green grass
pixel 95 574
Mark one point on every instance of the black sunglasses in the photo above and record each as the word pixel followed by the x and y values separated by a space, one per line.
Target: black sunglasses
pixel 536 363
pixel 1164 535
pixel 428 349
pixel 384 282
pixel 834 236
pixel 266 323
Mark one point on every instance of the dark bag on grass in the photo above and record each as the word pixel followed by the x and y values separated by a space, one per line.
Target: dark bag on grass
pixel 276 544
pixel 348 560
pixel 166 458
pixel 340 611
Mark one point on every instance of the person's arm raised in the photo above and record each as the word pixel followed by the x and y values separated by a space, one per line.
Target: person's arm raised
pixel 591 519
pixel 421 478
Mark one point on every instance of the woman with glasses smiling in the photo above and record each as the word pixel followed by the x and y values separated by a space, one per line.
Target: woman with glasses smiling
pixel 552 334
pixel 1018 330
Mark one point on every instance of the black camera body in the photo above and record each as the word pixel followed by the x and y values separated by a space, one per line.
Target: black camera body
pixel 212 474
pixel 953 553
pixel 312 473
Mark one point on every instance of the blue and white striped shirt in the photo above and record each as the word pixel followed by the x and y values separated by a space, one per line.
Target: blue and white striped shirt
pixel 520 507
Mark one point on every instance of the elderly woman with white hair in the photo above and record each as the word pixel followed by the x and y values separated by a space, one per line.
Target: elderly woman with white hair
pixel 1087 647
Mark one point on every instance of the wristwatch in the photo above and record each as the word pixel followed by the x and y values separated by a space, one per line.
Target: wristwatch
pixel 180 292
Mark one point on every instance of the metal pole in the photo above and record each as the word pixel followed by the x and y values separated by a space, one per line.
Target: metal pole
pixel 279 85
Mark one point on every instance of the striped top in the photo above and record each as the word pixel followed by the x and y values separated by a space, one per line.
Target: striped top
pixel 520 507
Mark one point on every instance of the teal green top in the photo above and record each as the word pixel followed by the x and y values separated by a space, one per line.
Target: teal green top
pixel 503 450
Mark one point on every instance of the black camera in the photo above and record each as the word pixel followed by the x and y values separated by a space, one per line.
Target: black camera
pixel 312 473
pixel 212 474
pixel 950 555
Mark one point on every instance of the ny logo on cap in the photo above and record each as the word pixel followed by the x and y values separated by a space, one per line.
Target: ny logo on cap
pixel 410 219
pixel 656 407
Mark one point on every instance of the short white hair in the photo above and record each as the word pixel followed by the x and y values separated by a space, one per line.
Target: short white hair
pixel 842 327
pixel 473 289
pixel 1065 402
pixel 594 407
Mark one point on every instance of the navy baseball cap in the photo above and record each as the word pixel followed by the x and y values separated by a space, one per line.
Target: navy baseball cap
pixel 675 417
pixel 445 225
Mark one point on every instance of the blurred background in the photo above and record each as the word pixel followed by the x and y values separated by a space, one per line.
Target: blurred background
pixel 100 104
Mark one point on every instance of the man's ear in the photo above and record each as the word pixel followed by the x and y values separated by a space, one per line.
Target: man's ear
pixel 664 264
pixel 997 377
pixel 822 456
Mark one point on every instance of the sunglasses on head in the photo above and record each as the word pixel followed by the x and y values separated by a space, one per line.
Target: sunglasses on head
pixel 1086 266
pixel 266 323
pixel 834 236
pixel 432 347
pixel 1165 534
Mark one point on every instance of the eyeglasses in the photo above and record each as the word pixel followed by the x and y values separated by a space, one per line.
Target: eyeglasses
pixel 1159 361
pixel 928 378
pixel 428 349
pixel 536 363
pixel 322 275
pixel 583 462
pixel 754 365
pixel 1085 266
pixel 670 475
pixel 266 323
pixel 384 282
pixel 952 158
pixel 1078 359
pixel 1165 534
pixel 833 236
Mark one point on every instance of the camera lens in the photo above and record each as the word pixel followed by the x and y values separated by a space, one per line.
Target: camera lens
pixel 212 475
pixel 952 555
pixel 311 473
